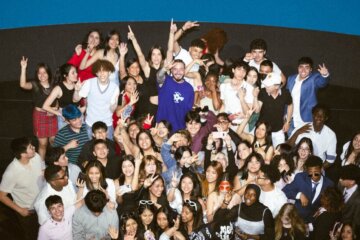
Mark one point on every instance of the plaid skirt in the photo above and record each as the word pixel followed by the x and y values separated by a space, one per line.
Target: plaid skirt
pixel 44 125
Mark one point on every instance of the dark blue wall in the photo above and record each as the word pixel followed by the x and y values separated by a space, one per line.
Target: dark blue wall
pixel 325 15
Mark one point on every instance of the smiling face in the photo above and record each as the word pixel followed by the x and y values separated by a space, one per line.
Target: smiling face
pixel 319 119
pixel 103 76
pixel 250 197
pixel 94 175
pixel 57 211
pixel 127 168
pixel 101 151
pixel 130 85
pixel 258 55
pixel 42 75
pixel 193 127
pixel 178 71
pixel 114 41
pixel 186 185
pixel 144 141
pixel 185 159
pixel 304 71
pixel 94 38
pixel 131 227
pixel 162 130
pixel 134 69
pixel 157 188
pixel 195 52
pixel 356 143
pixel 304 151
pixel 253 165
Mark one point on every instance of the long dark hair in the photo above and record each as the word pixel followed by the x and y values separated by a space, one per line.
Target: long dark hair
pixel 268 140
pixel 196 192
pixel 37 84
pixel 107 38
pixel 350 149
pixel 85 43
pixel 101 169
pixel 62 72
pixel 129 158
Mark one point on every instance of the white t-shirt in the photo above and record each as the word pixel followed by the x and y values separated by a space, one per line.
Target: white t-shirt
pixel 23 182
pixel 274 200
pixel 324 142
pixel 296 94
pixel 58 230
pixel 67 195
pixel 230 97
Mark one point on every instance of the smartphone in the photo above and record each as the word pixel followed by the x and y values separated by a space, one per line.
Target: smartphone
pixel 81 176
pixel 127 112
pixel 218 135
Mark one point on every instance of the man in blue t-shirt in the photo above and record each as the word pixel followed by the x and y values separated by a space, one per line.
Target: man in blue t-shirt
pixel 176 96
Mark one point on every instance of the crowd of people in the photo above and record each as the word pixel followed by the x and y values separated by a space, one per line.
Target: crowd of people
pixel 180 144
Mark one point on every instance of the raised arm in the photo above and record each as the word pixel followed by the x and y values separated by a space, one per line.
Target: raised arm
pixel 23 84
pixel 143 63
pixel 86 62
pixel 123 51
pixel 188 25
pixel 240 130
pixel 170 50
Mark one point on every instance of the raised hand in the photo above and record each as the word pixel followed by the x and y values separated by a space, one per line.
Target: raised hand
pixel 131 35
pixel 80 183
pixel 227 139
pixel 23 62
pixel 149 181
pixel 113 232
pixel 168 65
pixel 304 200
pixel 174 180
pixel 249 112
pixel 189 25
pixel 134 97
pixel 123 49
pixel 323 70
pixel 73 144
pixel 305 129
pixel 78 49
pixel 248 57
pixel 148 119
pixel 173 27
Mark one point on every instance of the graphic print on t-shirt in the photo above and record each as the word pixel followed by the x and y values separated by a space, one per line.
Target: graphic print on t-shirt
pixel 177 97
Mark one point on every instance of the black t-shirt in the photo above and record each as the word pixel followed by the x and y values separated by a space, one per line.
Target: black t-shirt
pixel 273 110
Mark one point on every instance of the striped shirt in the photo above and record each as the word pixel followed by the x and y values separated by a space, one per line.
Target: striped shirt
pixel 65 135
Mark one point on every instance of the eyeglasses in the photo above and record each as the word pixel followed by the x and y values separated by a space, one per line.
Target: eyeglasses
pixel 223 122
pixel 192 204
pixel 314 174
pixel 145 202
pixel 224 188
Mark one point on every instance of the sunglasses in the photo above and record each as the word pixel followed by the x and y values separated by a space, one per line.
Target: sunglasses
pixel 192 204
pixel 314 174
pixel 145 202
